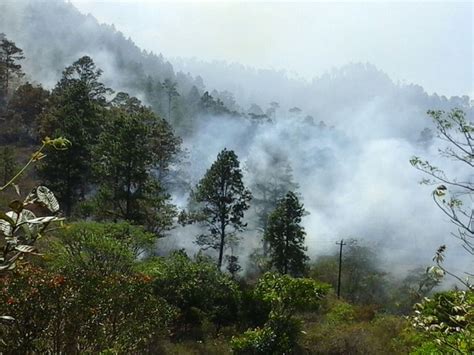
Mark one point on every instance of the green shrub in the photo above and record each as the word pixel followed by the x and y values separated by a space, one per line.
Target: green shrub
pixel 104 247
pixel 284 295
pixel 287 294
pixel 379 336
pixel 255 341
pixel 197 288
pixel 278 336
pixel 341 312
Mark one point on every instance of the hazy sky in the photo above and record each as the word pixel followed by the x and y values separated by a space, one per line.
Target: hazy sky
pixel 427 43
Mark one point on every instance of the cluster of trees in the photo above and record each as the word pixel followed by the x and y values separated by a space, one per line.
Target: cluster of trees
pixel 120 153
pixel 120 159
pixel 219 203
pixel 174 95
pixel 115 171
pixel 100 288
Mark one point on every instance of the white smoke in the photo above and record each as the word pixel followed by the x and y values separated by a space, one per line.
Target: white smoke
pixel 354 183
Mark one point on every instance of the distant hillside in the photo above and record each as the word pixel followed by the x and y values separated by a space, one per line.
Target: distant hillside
pixel 53 34
pixel 347 89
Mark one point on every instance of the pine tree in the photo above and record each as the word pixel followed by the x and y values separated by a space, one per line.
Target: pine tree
pixel 121 165
pixel 286 236
pixel 208 105
pixel 270 183
pixel 10 54
pixel 223 200
pixel 24 108
pixel 125 165
pixel 76 111
pixel 171 93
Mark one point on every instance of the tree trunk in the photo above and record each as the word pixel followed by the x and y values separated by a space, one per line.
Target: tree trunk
pixel 221 246
pixel 169 108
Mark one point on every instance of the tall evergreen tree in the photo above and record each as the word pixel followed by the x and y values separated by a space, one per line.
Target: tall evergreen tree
pixel 122 163
pixel 23 111
pixel 165 146
pixel 76 111
pixel 125 166
pixel 10 54
pixel 154 95
pixel 286 236
pixel 269 184
pixel 171 93
pixel 223 200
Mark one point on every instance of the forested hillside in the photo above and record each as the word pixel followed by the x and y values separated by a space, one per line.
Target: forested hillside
pixel 67 34
pixel 358 86
pixel 148 210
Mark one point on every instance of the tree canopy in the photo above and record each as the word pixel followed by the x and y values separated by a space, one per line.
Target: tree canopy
pixel 286 236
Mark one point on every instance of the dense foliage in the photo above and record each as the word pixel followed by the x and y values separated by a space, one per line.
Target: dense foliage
pixel 80 311
pixel 199 290
pixel 285 296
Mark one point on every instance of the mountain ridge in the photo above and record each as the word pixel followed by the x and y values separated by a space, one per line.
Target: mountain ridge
pixel 69 34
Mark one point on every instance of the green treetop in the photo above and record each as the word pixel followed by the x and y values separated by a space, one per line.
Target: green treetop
pixel 10 54
pixel 126 165
pixel 223 199
pixel 76 111
pixel 286 236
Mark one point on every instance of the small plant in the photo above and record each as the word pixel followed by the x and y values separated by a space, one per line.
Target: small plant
pixel 27 220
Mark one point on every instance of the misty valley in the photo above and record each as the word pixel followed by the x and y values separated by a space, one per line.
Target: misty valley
pixel 176 204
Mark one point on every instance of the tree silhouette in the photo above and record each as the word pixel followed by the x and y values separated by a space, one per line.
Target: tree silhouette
pixel 286 236
pixel 223 199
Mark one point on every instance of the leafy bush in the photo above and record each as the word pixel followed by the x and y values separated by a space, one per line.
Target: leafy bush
pixel 285 295
pixel 378 336
pixel 446 321
pixel 255 341
pixel 80 311
pixel 103 247
pixel 254 311
pixel 278 336
pixel 341 312
pixel 199 290
pixel 29 219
